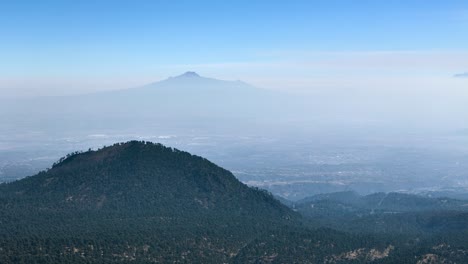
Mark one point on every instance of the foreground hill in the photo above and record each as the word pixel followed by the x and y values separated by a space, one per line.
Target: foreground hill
pixel 139 202
pixel 143 178
pixel 143 202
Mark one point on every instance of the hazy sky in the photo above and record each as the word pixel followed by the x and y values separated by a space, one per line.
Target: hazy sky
pixel 63 47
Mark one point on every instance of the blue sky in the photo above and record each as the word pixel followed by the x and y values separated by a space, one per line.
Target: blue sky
pixel 49 47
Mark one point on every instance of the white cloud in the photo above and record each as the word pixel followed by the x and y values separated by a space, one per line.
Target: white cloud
pixel 461 75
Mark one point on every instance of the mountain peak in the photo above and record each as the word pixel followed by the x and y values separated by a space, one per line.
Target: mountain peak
pixel 189 74
pixel 148 177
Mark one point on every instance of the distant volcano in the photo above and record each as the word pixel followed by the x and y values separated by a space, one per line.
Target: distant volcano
pixel 189 74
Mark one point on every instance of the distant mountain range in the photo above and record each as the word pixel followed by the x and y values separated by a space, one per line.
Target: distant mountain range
pixel 390 202
pixel 395 213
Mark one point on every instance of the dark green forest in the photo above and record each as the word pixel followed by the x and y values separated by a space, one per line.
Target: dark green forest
pixel 141 202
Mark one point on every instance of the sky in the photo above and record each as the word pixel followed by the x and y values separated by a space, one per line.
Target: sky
pixel 376 47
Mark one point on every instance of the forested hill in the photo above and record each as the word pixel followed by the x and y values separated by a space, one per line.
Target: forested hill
pixel 134 201
pixel 140 202
pixel 143 178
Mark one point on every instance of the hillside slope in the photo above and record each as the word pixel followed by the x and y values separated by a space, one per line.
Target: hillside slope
pixel 140 202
